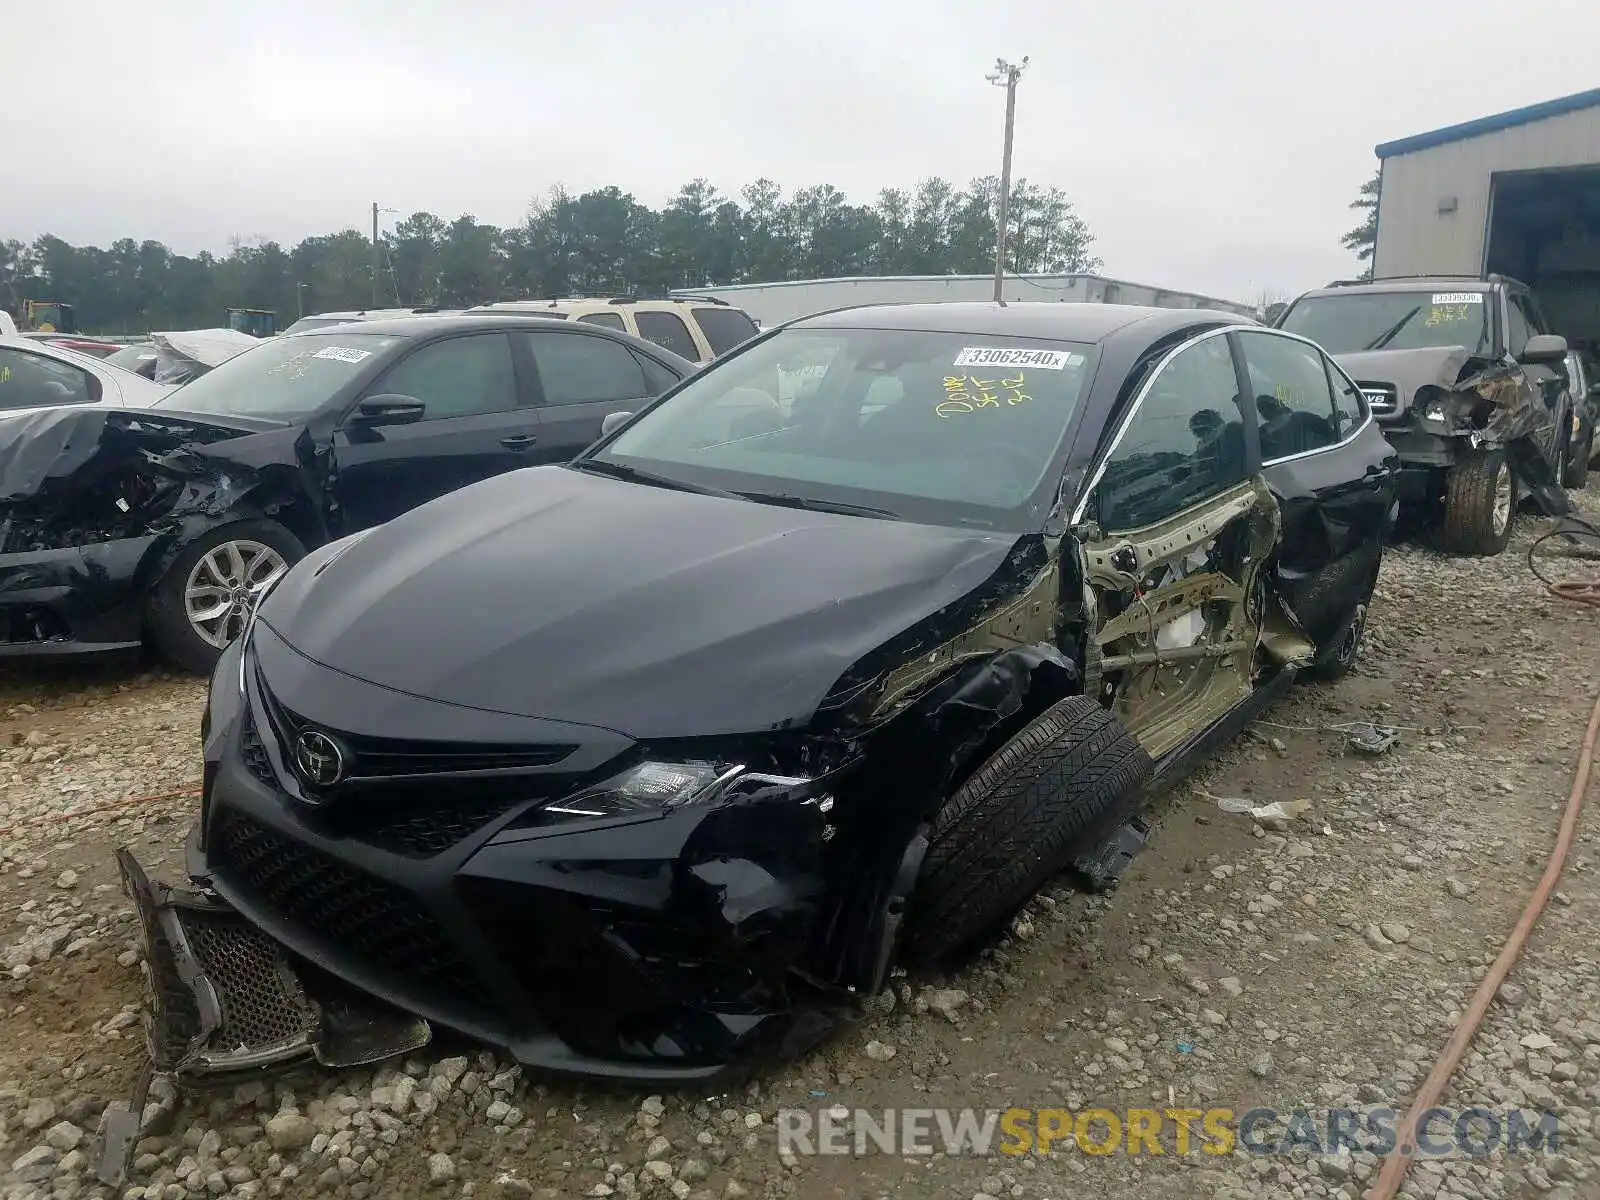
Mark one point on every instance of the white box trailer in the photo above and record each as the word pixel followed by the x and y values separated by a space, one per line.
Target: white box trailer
pixel 1515 194
pixel 774 303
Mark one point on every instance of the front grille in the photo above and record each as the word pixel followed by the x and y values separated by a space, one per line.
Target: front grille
pixel 254 753
pixel 261 1005
pixel 382 925
pixel 380 758
pixel 1381 397
pixel 421 830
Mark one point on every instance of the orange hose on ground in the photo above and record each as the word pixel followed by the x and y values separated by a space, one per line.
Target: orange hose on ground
pixel 1400 1158
pixel 188 789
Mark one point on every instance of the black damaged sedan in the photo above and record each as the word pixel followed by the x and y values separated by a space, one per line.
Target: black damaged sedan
pixel 122 527
pixel 648 764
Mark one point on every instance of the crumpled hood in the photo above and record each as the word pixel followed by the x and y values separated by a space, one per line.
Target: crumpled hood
pixel 51 445
pixel 1407 370
pixel 550 593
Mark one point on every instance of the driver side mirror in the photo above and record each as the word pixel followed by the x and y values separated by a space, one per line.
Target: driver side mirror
pixel 388 409
pixel 613 422
pixel 1544 348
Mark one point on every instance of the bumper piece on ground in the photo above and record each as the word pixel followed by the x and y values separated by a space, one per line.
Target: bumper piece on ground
pixel 227 1000
pixel 1102 867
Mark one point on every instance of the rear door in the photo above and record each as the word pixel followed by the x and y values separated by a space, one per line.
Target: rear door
pixel 1178 521
pixel 580 378
pixel 476 423
pixel 1331 472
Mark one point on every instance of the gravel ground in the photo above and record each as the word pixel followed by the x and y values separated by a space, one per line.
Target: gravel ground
pixel 1320 962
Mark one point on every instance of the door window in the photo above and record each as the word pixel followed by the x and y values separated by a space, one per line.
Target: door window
pixel 34 381
pixel 665 329
pixel 1517 330
pixel 460 377
pixel 1183 445
pixel 610 320
pixel 724 328
pixel 578 368
pixel 656 377
pixel 1349 405
pixel 1289 386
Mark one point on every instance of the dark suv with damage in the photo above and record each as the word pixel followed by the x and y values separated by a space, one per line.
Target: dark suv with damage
pixel 1467 383
pixel 650 762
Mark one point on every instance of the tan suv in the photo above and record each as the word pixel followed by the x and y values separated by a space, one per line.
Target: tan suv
pixel 698 330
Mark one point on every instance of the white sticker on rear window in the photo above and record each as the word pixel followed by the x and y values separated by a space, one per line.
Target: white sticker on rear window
pixel 1458 297
pixel 344 354
pixel 1000 356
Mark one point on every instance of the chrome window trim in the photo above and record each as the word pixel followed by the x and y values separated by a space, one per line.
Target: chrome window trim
pixel 1138 403
pixel 1166 361
pixel 1366 408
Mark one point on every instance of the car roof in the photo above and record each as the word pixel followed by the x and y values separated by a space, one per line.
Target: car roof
pixel 1415 283
pixel 1070 322
pixel 596 304
pixel 409 327
pixel 372 314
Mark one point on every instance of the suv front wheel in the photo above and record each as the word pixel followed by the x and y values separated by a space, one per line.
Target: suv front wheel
pixel 1480 499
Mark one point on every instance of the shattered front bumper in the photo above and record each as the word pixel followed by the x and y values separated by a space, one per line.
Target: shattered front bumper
pixel 225 1001
pixel 69 603
pixel 225 998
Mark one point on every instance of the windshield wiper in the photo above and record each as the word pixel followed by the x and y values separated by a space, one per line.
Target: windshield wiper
pixel 786 500
pixel 1384 338
pixel 600 466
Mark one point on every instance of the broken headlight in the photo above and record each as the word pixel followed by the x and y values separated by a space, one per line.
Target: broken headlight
pixel 662 786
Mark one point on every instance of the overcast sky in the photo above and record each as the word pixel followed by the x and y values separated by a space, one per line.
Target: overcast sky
pixel 1212 148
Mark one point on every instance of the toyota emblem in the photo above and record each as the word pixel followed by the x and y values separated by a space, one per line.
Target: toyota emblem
pixel 318 759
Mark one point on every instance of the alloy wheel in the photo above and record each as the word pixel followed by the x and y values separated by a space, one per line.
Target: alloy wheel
pixel 223 587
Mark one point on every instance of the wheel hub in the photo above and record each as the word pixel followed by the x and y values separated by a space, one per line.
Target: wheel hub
pixel 223 587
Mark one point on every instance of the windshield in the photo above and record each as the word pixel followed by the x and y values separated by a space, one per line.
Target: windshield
pixel 306 323
pixel 1392 321
pixel 286 379
pixel 942 428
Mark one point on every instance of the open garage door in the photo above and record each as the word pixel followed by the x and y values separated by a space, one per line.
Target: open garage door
pixel 1544 229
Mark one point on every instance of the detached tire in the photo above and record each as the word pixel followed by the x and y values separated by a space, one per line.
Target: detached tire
pixel 1020 818
pixel 221 568
pixel 1480 499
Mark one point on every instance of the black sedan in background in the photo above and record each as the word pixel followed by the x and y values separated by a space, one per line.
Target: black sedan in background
pixel 647 763
pixel 164 523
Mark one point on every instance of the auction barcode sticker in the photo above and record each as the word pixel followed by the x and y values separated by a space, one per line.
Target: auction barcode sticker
pixel 344 354
pixel 999 356
pixel 1458 297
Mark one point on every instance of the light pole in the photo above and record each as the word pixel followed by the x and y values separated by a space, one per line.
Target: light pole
pixel 1005 75
pixel 377 252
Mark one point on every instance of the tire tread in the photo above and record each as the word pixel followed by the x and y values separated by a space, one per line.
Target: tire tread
pixel 1018 820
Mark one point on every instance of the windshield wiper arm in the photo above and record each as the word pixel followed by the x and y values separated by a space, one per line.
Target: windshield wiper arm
pixel 786 500
pixel 600 466
pixel 1384 338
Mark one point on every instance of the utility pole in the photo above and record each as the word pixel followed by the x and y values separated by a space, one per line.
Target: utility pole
pixel 1005 75
pixel 377 266
pixel 377 251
